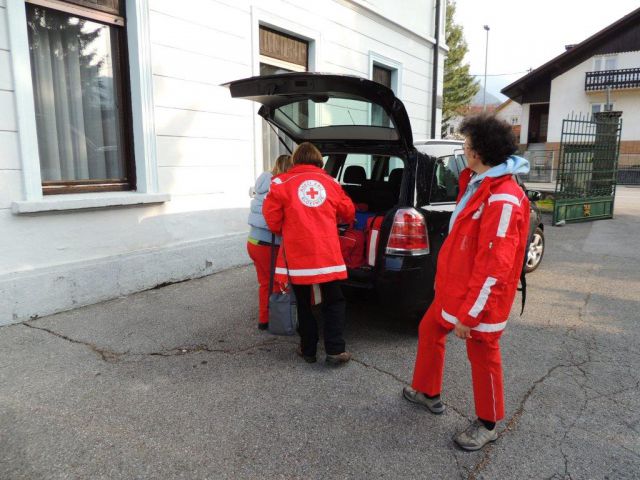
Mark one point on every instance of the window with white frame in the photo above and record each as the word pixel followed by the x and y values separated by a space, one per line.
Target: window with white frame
pixel 382 75
pixel 280 53
pixel 385 72
pixel 77 51
pixel 605 62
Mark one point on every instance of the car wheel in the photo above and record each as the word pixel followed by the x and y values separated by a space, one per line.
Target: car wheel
pixel 535 251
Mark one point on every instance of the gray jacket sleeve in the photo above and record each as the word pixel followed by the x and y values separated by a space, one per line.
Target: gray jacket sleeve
pixel 263 183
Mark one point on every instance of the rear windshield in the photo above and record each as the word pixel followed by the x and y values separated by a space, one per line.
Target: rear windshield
pixel 334 112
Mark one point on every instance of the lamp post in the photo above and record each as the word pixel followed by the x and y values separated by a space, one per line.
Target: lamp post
pixel 486 56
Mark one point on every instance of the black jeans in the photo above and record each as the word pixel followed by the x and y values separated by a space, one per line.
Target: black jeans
pixel 333 313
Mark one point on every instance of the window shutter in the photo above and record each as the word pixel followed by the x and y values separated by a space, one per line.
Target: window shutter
pixel 382 75
pixel 283 47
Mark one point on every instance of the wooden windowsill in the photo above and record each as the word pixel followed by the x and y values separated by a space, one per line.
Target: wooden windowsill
pixel 82 201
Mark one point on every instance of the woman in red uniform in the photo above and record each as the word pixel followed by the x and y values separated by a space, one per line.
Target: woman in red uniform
pixel 477 275
pixel 305 205
pixel 260 238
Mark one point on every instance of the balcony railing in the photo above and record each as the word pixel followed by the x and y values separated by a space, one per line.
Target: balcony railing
pixel 616 79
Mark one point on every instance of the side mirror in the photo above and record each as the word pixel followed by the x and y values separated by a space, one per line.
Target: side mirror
pixel 534 195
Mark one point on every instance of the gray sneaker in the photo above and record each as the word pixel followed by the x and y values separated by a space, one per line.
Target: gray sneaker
pixel 476 436
pixel 434 405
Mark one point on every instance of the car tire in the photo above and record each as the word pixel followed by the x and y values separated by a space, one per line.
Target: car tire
pixel 535 252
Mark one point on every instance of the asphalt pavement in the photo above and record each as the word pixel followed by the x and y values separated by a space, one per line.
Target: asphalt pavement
pixel 179 383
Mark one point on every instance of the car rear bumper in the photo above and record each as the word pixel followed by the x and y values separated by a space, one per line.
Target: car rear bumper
pixel 401 283
pixel 406 282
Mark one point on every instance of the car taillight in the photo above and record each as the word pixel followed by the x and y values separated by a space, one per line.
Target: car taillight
pixel 408 234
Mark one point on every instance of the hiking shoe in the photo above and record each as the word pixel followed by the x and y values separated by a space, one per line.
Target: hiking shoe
pixel 307 358
pixel 434 405
pixel 476 436
pixel 339 359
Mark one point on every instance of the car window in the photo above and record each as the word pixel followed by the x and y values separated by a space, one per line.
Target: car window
pixel 461 161
pixel 374 166
pixel 444 186
pixel 364 161
pixel 394 164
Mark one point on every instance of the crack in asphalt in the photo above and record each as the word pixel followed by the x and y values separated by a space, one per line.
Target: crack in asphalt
pixel 403 382
pixel 378 369
pixel 111 356
pixel 461 470
pixel 104 354
pixel 511 424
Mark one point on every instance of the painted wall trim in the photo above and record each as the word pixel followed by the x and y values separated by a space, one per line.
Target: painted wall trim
pixel 393 65
pixel 23 94
pixel 50 290
pixel 57 203
pixel 142 107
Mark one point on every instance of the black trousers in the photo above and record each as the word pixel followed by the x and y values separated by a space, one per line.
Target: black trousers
pixel 333 314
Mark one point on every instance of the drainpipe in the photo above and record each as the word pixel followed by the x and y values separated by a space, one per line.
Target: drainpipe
pixel 436 60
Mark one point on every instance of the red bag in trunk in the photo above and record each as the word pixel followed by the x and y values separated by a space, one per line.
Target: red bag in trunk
pixel 352 246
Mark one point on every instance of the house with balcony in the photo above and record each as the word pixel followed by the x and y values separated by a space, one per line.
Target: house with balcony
pixel 598 74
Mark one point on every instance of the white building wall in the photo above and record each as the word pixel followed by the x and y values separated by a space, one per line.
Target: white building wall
pixel 509 112
pixel 524 124
pixel 208 149
pixel 569 96
pixel 416 15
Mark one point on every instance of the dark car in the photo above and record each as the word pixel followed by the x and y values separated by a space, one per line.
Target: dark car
pixel 364 132
pixel 451 151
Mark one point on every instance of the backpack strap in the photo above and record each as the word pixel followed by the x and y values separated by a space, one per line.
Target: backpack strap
pixel 523 271
pixel 523 283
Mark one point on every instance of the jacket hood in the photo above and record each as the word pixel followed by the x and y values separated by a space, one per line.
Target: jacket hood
pixel 263 182
pixel 514 165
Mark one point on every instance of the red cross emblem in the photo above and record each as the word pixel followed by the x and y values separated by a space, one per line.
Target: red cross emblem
pixel 311 193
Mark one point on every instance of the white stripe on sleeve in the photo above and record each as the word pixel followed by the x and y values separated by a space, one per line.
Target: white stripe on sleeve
pixel 504 197
pixel 305 272
pixel 505 217
pixel 481 327
pixel 482 297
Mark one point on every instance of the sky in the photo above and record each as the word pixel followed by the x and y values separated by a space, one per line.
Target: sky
pixel 525 34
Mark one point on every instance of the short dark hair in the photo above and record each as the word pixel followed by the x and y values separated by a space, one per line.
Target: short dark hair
pixel 491 138
pixel 307 154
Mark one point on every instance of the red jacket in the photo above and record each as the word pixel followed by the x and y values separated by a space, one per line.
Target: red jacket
pixel 305 206
pixel 480 262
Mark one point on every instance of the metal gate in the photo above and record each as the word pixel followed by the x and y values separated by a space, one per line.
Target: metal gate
pixel 586 181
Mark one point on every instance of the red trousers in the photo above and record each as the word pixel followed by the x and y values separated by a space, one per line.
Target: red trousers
pixel 484 355
pixel 261 256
